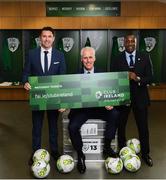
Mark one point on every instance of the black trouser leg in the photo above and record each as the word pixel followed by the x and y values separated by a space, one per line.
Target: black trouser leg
pixel 112 118
pixel 53 130
pixel 141 117
pixel 124 113
pixel 75 123
pixel 37 123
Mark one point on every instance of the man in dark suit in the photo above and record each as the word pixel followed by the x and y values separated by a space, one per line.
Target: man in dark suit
pixel 140 74
pixel 79 116
pixel 44 61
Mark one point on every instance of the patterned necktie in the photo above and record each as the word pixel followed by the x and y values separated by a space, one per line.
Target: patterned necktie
pixel 131 61
pixel 45 62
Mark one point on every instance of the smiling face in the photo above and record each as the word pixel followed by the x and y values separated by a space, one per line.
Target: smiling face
pixel 88 58
pixel 130 43
pixel 47 38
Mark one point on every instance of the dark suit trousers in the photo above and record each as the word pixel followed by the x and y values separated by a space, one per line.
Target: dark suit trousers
pixel 79 116
pixel 37 120
pixel 141 117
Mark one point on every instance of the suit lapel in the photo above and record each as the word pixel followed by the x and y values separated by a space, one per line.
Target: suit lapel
pixel 124 60
pixel 38 58
pixel 137 59
pixel 54 59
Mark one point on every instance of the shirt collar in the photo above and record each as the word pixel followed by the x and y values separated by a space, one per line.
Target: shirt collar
pixel 128 54
pixel 49 50
pixel 86 71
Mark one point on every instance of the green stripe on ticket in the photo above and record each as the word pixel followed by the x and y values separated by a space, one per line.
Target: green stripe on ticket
pixel 79 90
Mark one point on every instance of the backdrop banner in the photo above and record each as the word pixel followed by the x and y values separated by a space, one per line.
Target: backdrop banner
pixel 79 90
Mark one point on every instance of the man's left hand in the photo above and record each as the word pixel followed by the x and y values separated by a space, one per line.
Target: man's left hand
pixel 133 76
pixel 109 107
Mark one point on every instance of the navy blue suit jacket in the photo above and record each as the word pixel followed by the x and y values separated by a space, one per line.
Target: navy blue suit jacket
pixel 33 66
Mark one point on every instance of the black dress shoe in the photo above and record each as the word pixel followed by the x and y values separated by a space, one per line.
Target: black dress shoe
pixel 81 164
pixel 109 153
pixel 148 160
pixel 30 161
pixel 55 155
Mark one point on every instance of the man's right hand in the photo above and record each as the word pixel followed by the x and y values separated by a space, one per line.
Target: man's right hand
pixel 27 86
pixel 132 76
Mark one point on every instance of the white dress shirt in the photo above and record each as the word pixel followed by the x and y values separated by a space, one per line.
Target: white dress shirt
pixel 42 57
pixel 88 72
pixel 128 57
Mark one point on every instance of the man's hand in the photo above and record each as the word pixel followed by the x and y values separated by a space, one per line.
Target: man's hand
pixel 61 110
pixel 27 86
pixel 133 76
pixel 109 107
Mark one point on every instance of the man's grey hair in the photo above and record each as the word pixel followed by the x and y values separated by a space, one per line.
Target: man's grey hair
pixel 88 48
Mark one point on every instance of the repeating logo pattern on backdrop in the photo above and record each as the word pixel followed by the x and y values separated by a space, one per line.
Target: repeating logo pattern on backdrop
pixel 67 43
pixel 150 43
pixel 13 43
pixel 38 42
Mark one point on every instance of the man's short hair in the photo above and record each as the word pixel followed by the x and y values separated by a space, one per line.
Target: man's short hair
pixel 87 48
pixel 47 28
pixel 131 35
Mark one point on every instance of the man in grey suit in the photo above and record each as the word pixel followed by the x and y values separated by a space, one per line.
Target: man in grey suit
pixel 140 74
pixel 44 61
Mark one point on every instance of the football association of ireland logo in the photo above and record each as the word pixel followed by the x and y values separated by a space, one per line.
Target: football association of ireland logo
pixel 85 147
pixel 121 46
pixel 150 43
pixel 13 43
pixel 67 43
pixel 38 42
pixel 98 94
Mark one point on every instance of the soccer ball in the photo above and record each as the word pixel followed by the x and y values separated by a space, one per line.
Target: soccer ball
pixel 134 144
pixel 65 164
pixel 40 169
pixel 113 165
pixel 125 151
pixel 41 154
pixel 132 163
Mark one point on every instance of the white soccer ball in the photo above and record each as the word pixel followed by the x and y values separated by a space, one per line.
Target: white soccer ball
pixel 132 163
pixel 65 164
pixel 40 169
pixel 125 151
pixel 134 144
pixel 41 154
pixel 113 165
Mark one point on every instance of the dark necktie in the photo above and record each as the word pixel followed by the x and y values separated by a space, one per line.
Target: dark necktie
pixel 45 62
pixel 131 61
pixel 88 72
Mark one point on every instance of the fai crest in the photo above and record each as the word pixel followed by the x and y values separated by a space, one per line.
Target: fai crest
pixel 13 43
pixel 120 41
pixel 67 43
pixel 98 94
pixel 150 43
pixel 38 42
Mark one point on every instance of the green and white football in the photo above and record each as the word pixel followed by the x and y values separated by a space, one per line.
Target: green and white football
pixel 132 163
pixel 41 154
pixel 113 165
pixel 134 144
pixel 125 151
pixel 40 169
pixel 65 164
